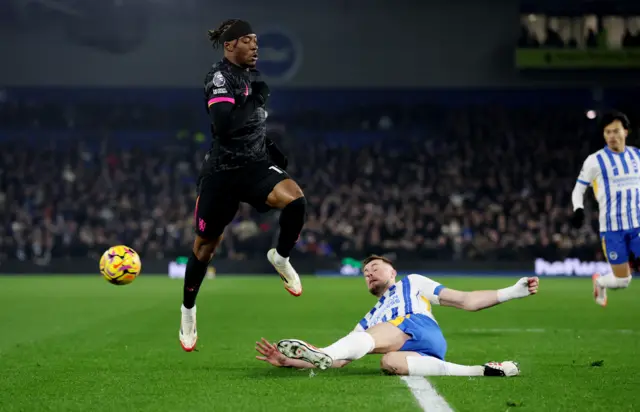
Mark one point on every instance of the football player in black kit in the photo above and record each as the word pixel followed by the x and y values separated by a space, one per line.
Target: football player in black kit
pixel 241 166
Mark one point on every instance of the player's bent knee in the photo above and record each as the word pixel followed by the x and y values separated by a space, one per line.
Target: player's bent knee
pixel 293 191
pixel 394 363
pixel 621 271
pixel 285 192
pixel 387 337
pixel 299 203
pixel 297 192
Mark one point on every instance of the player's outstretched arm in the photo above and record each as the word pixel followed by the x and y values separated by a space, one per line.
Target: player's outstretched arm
pixel 587 174
pixel 482 299
pixel 270 354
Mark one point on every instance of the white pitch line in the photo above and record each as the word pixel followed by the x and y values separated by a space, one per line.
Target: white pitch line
pixel 426 395
pixel 431 401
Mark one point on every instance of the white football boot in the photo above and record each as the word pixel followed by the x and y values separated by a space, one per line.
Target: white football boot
pixel 599 292
pixel 297 349
pixel 188 330
pixel 506 369
pixel 287 273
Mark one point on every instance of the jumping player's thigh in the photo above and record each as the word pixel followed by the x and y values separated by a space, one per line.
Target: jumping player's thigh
pixel 284 193
pixel 261 181
pixel 216 206
pixel 616 251
pixel 395 363
pixel 387 337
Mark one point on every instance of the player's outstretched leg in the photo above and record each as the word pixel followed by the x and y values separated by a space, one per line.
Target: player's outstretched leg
pixel 378 339
pixel 196 270
pixel 297 349
pixel 415 364
pixel 287 196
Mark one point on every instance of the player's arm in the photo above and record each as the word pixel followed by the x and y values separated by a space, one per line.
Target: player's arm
pixel 483 299
pixel 226 113
pixel 276 154
pixel 474 300
pixel 586 176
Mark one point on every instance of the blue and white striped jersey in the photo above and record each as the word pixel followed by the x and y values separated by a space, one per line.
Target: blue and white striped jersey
pixel 413 294
pixel 615 179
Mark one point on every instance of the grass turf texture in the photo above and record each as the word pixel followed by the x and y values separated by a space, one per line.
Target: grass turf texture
pixel 79 343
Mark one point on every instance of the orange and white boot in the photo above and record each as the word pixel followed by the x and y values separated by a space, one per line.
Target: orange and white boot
pixel 188 330
pixel 599 292
pixel 287 273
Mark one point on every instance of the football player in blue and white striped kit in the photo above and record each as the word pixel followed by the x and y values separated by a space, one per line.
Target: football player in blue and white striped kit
pixel 614 174
pixel 402 327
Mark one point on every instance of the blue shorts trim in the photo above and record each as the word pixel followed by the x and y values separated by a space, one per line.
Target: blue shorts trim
pixel 618 245
pixel 426 337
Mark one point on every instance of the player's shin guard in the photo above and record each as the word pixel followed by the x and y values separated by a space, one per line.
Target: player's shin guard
pixel 193 277
pixel 353 346
pixel 428 366
pixel 291 223
pixel 610 281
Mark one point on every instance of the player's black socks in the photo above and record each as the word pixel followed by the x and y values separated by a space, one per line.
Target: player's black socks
pixel 291 222
pixel 193 277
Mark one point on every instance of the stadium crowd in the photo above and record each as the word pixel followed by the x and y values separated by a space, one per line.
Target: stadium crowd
pixel 478 183
pixel 579 32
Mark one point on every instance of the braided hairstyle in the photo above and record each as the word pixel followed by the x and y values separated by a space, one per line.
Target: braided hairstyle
pixel 214 35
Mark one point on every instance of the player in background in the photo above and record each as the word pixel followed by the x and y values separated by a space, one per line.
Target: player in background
pixel 243 165
pixel 614 174
pixel 402 327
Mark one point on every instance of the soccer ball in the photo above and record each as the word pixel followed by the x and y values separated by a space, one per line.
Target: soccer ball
pixel 120 265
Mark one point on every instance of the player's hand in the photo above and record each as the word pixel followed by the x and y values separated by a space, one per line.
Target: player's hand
pixel 527 286
pixel 578 218
pixel 261 91
pixel 276 155
pixel 524 287
pixel 270 354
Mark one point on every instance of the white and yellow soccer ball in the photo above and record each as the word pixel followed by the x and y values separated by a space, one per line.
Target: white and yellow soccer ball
pixel 120 265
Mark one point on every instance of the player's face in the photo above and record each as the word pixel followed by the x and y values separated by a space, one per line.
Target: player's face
pixel 615 135
pixel 379 276
pixel 246 51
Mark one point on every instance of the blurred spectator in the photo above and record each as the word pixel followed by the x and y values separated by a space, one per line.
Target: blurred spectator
pixel 479 183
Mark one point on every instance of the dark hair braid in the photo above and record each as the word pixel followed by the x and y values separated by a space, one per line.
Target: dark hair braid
pixel 214 35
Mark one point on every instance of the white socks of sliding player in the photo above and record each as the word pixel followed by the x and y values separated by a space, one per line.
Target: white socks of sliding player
pixel 428 366
pixel 353 346
pixel 357 344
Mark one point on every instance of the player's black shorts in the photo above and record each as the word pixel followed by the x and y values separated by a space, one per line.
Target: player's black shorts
pixel 219 195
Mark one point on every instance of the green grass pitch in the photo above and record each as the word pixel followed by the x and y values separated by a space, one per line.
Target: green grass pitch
pixel 81 344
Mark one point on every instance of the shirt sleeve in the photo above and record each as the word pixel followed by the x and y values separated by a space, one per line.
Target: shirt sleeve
pixel 428 288
pixel 227 115
pixel 220 90
pixel 589 171
pixel 587 175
